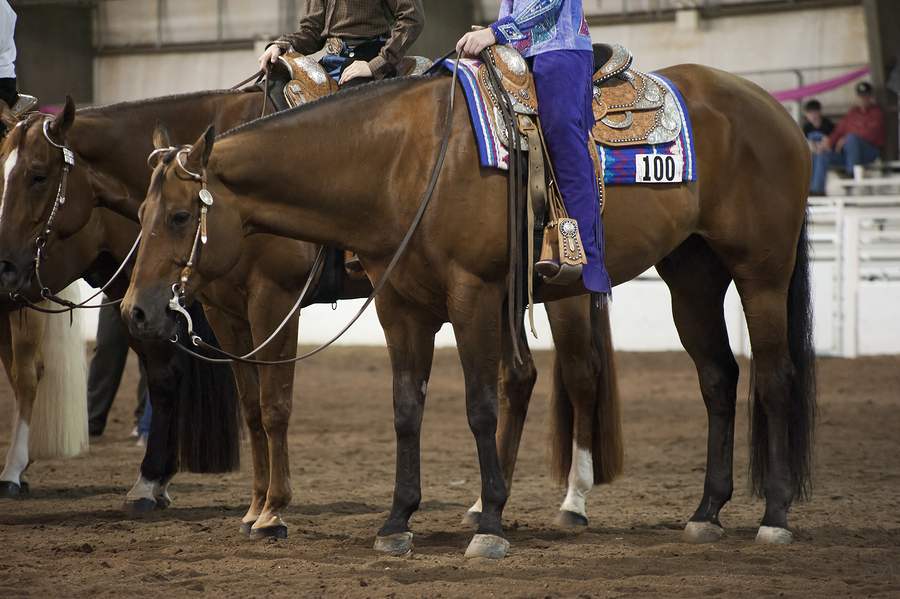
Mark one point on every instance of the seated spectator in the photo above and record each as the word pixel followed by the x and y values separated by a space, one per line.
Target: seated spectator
pixel 856 140
pixel 817 127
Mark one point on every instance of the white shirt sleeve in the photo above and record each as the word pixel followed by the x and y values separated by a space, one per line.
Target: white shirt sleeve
pixel 7 42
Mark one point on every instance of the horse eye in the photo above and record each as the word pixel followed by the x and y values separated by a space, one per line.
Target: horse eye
pixel 181 219
pixel 39 179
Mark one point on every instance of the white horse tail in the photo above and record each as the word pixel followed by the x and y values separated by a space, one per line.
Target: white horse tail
pixel 59 422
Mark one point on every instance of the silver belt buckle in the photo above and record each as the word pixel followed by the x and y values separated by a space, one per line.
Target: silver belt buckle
pixel 333 46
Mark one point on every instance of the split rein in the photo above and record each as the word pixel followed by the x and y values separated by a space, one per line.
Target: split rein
pixel 201 237
pixel 41 242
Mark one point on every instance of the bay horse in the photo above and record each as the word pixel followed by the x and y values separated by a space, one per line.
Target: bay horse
pixel 195 420
pixel 248 302
pixel 350 170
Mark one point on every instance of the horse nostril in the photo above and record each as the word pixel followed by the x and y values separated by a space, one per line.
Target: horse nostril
pixel 138 316
pixel 9 274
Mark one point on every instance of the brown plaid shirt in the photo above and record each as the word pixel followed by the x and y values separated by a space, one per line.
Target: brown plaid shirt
pixel 401 21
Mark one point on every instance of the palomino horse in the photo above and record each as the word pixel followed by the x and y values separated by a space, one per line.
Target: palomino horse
pixel 195 420
pixel 248 302
pixel 350 170
pixel 44 360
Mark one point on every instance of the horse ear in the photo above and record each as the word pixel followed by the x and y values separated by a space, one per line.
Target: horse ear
pixel 63 121
pixel 199 154
pixel 7 118
pixel 161 136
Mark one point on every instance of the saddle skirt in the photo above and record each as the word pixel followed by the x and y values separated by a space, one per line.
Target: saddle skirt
pixel 637 114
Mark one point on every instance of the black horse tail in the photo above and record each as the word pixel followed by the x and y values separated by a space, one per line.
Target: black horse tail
pixel 802 408
pixel 607 441
pixel 208 429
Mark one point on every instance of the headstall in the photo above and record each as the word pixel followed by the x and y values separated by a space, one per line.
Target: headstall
pixel 41 241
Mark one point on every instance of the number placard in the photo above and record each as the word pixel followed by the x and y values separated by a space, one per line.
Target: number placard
pixel 658 168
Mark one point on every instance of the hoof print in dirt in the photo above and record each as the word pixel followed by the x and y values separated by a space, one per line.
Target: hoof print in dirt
pixel 139 506
pixel 269 532
pixel 567 518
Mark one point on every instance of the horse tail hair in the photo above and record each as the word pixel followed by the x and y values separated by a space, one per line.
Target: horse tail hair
pixel 209 414
pixel 802 408
pixel 608 448
pixel 59 423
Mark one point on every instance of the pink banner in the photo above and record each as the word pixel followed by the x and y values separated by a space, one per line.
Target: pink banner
pixel 814 89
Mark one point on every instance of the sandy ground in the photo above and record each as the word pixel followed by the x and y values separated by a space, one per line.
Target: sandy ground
pixel 69 539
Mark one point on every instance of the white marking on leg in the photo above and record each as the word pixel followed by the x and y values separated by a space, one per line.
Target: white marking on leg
pixel 161 490
pixel 476 509
pixel 8 167
pixel 424 388
pixel 142 489
pixel 581 479
pixel 17 457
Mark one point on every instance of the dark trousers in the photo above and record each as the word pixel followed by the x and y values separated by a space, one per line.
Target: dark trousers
pixel 105 372
pixel 8 91
pixel 562 79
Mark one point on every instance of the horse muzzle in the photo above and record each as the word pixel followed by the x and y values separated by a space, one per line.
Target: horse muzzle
pixel 14 278
pixel 148 316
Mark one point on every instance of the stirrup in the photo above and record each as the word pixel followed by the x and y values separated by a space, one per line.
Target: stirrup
pixel 23 105
pixel 556 273
pixel 352 264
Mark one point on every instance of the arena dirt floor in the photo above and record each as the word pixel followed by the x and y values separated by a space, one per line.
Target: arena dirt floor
pixel 69 539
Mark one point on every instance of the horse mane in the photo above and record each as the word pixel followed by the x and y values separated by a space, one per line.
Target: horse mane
pixel 376 87
pixel 129 104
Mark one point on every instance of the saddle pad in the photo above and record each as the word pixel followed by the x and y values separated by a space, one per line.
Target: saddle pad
pixel 632 164
pixel 672 162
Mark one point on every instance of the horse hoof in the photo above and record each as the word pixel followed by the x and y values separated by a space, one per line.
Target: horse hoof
pixel 10 489
pixel 569 518
pixel 246 527
pixel 398 544
pixel 772 535
pixel 489 546
pixel 472 517
pixel 162 502
pixel 139 506
pixel 279 531
pixel 702 532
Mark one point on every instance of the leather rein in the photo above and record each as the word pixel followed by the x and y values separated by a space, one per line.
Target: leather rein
pixel 175 303
pixel 41 242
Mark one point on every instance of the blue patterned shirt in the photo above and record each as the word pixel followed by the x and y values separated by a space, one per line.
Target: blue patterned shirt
pixel 536 26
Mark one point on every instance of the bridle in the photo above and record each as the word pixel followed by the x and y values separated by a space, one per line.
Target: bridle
pixel 201 237
pixel 41 241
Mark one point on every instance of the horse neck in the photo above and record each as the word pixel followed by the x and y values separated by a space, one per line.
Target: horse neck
pixel 350 174
pixel 114 142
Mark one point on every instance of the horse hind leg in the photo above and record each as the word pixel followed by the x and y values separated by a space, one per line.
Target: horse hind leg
pixel 698 282
pixel 516 384
pixel 585 423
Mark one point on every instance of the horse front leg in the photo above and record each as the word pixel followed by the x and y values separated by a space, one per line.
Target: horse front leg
pixel 515 387
pixel 476 319
pixel 698 282
pixel 276 387
pixel 20 352
pixel 235 337
pixel 410 341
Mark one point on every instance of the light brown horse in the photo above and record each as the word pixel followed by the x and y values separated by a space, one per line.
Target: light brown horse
pixel 248 302
pixel 351 170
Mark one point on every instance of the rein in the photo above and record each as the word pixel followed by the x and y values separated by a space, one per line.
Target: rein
pixel 178 288
pixel 41 241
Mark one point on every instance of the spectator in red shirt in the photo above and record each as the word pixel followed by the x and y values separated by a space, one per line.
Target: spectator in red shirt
pixel 857 139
